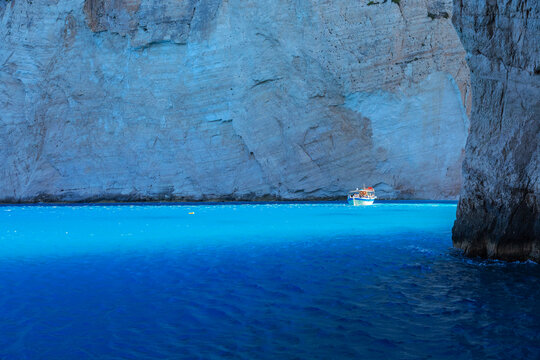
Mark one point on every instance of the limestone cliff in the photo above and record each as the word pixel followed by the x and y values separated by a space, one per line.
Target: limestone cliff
pixel 238 99
pixel 498 213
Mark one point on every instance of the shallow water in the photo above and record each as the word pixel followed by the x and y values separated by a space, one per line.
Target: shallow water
pixel 256 281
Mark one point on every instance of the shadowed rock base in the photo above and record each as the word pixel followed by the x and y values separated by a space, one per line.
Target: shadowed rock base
pixel 498 214
pixel 506 231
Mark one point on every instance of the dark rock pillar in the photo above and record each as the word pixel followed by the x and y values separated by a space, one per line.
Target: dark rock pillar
pixel 498 214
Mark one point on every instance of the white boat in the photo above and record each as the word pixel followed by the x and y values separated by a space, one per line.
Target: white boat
pixel 358 197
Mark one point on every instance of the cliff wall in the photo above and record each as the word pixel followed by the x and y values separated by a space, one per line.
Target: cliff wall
pixel 498 213
pixel 238 99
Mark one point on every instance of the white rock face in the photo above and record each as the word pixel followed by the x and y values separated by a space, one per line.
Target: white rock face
pixel 239 99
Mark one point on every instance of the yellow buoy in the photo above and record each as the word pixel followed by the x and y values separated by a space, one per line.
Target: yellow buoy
pixel 191 213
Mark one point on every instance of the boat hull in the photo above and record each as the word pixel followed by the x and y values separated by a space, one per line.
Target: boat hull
pixel 360 201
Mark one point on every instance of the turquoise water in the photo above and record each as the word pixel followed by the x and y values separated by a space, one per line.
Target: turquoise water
pixel 263 281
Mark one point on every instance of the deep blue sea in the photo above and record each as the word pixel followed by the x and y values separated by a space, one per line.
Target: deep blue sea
pixel 256 281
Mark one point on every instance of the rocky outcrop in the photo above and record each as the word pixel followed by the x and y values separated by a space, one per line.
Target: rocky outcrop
pixel 239 99
pixel 499 209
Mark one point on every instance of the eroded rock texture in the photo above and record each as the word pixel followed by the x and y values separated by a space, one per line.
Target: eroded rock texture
pixel 498 213
pixel 238 99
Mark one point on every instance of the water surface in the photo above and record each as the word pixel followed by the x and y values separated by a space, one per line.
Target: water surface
pixel 263 281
